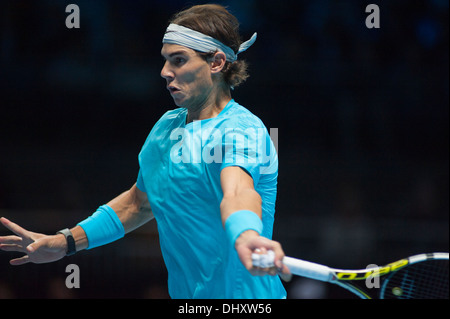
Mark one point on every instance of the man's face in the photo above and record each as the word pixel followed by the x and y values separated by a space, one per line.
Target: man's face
pixel 188 76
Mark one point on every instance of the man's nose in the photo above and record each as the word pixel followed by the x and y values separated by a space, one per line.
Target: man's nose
pixel 166 73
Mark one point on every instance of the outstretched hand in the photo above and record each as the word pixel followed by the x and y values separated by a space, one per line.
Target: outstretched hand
pixel 38 248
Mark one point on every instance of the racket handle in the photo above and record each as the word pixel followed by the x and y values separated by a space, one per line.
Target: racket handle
pixel 308 269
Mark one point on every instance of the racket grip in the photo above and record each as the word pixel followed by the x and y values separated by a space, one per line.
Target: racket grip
pixel 308 269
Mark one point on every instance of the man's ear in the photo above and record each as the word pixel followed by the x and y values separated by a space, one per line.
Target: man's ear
pixel 218 62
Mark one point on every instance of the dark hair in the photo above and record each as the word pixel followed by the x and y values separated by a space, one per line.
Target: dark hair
pixel 215 20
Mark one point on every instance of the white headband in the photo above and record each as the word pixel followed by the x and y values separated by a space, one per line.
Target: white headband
pixel 177 34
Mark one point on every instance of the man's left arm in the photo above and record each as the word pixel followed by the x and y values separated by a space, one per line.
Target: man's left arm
pixel 241 212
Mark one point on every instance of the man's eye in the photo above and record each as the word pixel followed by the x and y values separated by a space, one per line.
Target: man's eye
pixel 179 61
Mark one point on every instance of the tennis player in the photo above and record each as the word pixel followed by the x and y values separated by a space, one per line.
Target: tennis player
pixel 208 175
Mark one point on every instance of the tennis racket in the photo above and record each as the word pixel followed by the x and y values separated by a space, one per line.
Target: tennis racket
pixel 423 276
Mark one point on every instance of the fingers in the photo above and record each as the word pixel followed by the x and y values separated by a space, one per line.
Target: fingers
pixel 16 229
pixel 285 277
pixel 11 243
pixel 263 262
pixel 10 240
pixel 8 247
pixel 248 244
pixel 20 261
pixel 266 262
pixel 14 243
pixel 276 252
pixel 17 248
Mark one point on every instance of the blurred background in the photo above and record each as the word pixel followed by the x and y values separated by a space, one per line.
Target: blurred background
pixel 362 114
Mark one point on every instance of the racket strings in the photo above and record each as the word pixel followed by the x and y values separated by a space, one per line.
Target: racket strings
pixel 425 280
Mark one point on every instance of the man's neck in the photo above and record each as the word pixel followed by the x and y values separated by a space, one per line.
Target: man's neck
pixel 212 107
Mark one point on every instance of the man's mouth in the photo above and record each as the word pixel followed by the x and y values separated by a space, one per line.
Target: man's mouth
pixel 173 89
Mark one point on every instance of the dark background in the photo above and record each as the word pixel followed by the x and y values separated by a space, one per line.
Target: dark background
pixel 362 116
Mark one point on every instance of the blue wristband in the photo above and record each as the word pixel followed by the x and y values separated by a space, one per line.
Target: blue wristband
pixel 103 227
pixel 241 221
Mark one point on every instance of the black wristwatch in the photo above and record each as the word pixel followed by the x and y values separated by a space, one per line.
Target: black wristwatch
pixel 71 249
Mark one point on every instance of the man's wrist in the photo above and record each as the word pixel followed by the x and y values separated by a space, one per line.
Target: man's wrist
pixel 240 222
pixel 70 241
pixel 61 242
pixel 245 236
